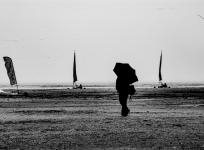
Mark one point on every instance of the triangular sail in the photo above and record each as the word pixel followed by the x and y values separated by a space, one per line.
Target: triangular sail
pixel 10 70
pixel 160 63
pixel 74 70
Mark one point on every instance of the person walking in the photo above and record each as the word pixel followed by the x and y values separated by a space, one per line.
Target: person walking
pixel 125 76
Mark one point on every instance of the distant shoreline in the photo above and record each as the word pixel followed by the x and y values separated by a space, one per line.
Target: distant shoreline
pixel 101 86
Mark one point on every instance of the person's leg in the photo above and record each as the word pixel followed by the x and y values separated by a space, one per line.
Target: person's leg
pixel 123 101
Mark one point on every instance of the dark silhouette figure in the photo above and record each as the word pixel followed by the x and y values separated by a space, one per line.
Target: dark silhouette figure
pixel 80 86
pixel 126 76
pixel 163 85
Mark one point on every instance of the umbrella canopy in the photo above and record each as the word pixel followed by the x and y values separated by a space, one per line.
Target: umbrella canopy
pixel 126 72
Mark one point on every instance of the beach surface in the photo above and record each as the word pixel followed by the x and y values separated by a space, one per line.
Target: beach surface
pixel 171 118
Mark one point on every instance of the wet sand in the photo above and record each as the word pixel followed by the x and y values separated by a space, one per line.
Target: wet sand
pixel 90 119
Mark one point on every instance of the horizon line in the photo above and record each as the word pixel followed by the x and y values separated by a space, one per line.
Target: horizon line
pixel 103 82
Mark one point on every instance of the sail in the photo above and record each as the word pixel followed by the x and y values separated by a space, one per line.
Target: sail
pixel 10 70
pixel 74 69
pixel 160 63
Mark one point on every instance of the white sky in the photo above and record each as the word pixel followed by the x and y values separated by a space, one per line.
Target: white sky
pixel 41 36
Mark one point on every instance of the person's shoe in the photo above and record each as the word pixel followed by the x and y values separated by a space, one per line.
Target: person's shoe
pixel 125 112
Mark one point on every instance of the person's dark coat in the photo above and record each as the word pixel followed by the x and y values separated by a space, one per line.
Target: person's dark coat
pixel 122 85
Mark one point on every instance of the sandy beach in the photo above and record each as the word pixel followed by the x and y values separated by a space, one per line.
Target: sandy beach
pixel 90 119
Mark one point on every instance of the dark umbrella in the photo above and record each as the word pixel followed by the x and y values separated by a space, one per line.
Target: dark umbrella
pixel 126 72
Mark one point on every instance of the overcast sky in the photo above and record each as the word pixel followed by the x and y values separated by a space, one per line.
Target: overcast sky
pixel 41 36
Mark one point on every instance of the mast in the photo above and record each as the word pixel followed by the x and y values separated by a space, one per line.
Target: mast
pixel 160 64
pixel 74 70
